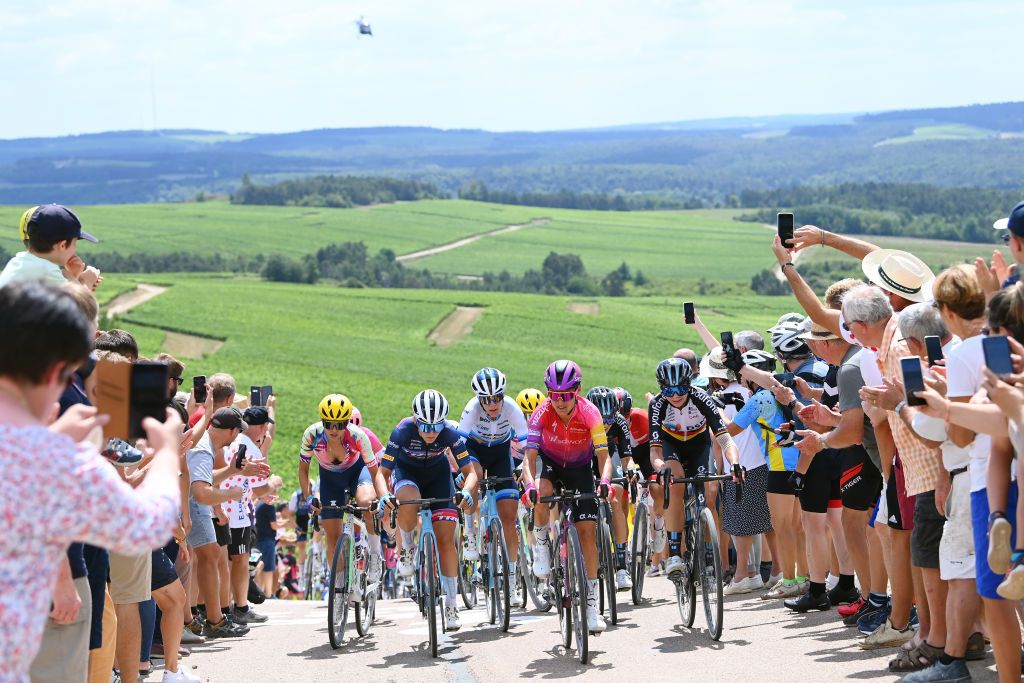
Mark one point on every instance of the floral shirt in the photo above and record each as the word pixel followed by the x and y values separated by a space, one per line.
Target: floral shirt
pixel 42 514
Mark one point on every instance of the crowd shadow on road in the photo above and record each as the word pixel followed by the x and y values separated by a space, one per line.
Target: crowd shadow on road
pixel 485 634
pixel 418 657
pixel 563 663
pixel 352 646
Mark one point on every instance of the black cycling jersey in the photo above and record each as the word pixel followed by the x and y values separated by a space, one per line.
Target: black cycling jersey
pixel 618 437
pixel 682 424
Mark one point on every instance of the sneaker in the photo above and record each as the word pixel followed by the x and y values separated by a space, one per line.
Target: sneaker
pixel 954 672
pixel 451 618
pixel 675 567
pixel 659 537
pixel 842 596
pixel 783 590
pixel 622 580
pixel 747 585
pixel 225 629
pixel 886 636
pixel 1012 587
pixel 248 617
pixel 851 608
pixel 256 596
pixel 804 584
pixel 373 568
pixel 869 622
pixel 180 676
pixel 773 581
pixel 406 566
pixel 654 570
pixel 470 552
pixel 999 545
pixel 196 627
pixel 595 622
pixel 765 569
pixel 865 609
pixel 808 602
pixel 188 637
pixel 542 558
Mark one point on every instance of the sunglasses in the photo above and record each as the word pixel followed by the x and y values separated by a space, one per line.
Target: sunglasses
pixel 491 400
pixel 847 323
pixel 177 380
pixel 330 424
pixel 562 395
pixel 674 391
pixel 428 428
pixel 607 419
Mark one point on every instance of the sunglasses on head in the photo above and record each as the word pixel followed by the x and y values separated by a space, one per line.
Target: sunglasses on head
pixel 491 400
pixel 674 391
pixel 428 428
pixel 562 395
pixel 331 424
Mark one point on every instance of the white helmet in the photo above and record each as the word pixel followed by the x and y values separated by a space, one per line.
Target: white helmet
pixel 488 382
pixel 786 340
pixel 430 407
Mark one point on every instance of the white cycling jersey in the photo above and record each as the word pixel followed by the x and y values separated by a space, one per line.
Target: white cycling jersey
pixel 476 424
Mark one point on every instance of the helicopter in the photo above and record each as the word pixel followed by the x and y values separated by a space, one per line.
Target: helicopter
pixel 364 27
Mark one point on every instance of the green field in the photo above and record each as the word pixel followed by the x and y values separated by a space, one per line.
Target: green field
pixel 936 253
pixel 950 131
pixel 372 344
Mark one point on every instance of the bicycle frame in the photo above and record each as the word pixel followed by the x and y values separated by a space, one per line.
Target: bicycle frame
pixel 488 512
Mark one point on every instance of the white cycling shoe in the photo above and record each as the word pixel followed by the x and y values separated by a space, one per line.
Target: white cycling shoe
pixel 470 552
pixel 406 566
pixel 659 537
pixel 542 559
pixel 451 618
pixel 675 567
pixel 595 622
pixel 623 582
pixel 373 568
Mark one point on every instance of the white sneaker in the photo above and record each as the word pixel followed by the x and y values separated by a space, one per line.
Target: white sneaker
pixel 774 580
pixel 782 590
pixel 658 539
pixel 373 568
pixel 451 618
pixel 674 566
pixel 595 622
pixel 622 580
pixel 751 583
pixel 542 559
pixel 406 566
pixel 471 553
pixel 180 676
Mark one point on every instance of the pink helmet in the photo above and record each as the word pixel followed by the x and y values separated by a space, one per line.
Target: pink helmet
pixel 563 375
pixel 357 417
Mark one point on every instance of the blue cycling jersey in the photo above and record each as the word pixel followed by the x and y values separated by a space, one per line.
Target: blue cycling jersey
pixel 407 447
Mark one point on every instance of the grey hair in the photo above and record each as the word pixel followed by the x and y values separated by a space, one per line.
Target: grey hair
pixel 922 320
pixel 749 339
pixel 867 304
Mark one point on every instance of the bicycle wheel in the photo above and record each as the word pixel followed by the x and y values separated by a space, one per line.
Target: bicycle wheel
pixel 339 592
pixel 365 608
pixel 428 588
pixel 576 582
pixel 501 595
pixel 531 584
pixel 638 552
pixel 307 576
pixel 560 598
pixel 711 573
pixel 607 569
pixel 467 582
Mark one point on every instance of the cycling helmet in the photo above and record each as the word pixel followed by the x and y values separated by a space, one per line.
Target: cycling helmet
pixel 673 372
pixel 625 400
pixel 789 318
pixel 762 360
pixel 335 407
pixel 488 382
pixel 529 399
pixel 430 407
pixel 787 342
pixel 605 399
pixel 563 375
pixel 357 417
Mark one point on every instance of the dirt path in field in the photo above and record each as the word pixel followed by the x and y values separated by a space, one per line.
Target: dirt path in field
pixel 423 253
pixel 455 326
pixel 583 308
pixel 182 345
pixel 129 300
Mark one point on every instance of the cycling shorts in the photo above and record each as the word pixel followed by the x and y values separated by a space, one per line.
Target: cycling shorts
pixel 859 480
pixel 821 483
pixel 694 454
pixel 339 486
pixel 616 465
pixel 433 481
pixel 579 479
pixel 642 458
pixel 496 461
pixel 778 482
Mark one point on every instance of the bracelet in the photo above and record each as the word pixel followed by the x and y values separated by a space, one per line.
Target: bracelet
pixel 783 268
pixel 900 406
pixel 822 236
pixel 822 442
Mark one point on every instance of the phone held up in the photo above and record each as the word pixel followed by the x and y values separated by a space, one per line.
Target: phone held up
pixel 240 456
pixel 727 344
pixel 934 346
pixel 199 388
pixel 688 313
pixel 997 355
pixel 784 224
pixel 259 395
pixel 913 379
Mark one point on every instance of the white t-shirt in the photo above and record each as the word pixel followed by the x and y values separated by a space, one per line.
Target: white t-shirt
pixel 751 455
pixel 25 266
pixel 963 379
pixel 239 511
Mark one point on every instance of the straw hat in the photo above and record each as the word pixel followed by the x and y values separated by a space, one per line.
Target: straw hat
pixel 818 333
pixel 901 273
pixel 712 365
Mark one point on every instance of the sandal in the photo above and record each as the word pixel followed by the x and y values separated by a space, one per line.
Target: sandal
pixel 976 648
pixel 921 657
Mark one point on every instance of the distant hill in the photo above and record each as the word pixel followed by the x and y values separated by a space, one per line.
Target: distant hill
pixel 703 160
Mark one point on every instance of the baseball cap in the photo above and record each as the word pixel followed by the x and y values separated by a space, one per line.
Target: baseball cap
pixel 52 222
pixel 228 418
pixel 257 415
pixel 1014 222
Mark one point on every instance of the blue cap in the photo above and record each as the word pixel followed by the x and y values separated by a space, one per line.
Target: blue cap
pixel 55 223
pixel 1014 222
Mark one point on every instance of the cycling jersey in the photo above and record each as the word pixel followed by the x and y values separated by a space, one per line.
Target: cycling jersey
pixel 476 424
pixel 571 444
pixel 619 437
pixel 375 444
pixel 685 423
pixel 763 409
pixel 812 371
pixel 407 447
pixel 638 427
pixel 354 441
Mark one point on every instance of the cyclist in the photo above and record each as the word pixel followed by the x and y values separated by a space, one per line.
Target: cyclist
pixel 681 419
pixel 529 400
pixel 490 422
pixel 347 467
pixel 567 433
pixel 617 429
pixel 640 444
pixel 416 454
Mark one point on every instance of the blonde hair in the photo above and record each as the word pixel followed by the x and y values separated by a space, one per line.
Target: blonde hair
pixel 958 289
pixel 837 290
pixel 1006 310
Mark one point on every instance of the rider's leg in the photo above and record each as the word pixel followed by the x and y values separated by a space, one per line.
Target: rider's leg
pixel 365 495
pixel 620 529
pixel 674 516
pixel 588 541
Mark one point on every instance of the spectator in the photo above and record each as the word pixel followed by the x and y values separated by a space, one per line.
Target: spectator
pixel 50 233
pixel 119 342
pixel 268 521
pixel 176 370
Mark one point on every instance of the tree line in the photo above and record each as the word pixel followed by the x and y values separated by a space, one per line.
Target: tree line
pixel 567 199
pixel 332 191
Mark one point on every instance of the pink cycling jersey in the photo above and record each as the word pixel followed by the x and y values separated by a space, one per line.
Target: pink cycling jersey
pixel 356 445
pixel 375 444
pixel 568 445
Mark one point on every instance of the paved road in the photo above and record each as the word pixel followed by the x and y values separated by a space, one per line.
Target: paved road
pixel 762 641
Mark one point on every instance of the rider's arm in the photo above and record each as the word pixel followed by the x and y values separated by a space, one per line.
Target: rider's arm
pixel 304 478
pixel 461 455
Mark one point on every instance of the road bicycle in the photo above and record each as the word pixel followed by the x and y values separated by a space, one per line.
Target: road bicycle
pixel 640 541
pixel 705 567
pixel 606 557
pixel 349 582
pixel 494 559
pixel 469 570
pixel 530 587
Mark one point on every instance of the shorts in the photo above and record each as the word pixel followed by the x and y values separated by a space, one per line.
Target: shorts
pixel 164 573
pixel 694 455
pixel 63 653
pixel 223 534
pixel 927 533
pixel 860 482
pixel 821 483
pixel 956 549
pixel 336 487
pixel 130 577
pixel 616 464
pixel 496 461
pixel 778 482
pixel 899 506
pixel 268 551
pixel 580 479
pixel 301 526
pixel 241 541
pixel 986 579
pixel 433 480
pixel 642 458
pixel 750 516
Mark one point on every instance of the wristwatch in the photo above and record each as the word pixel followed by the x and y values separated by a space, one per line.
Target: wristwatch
pixel 900 406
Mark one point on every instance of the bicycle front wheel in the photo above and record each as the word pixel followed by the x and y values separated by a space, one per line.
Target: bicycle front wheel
pixel 501 591
pixel 365 608
pixel 467 580
pixel 339 592
pixel 711 573
pixel 607 569
pixel 531 584
pixel 576 582
pixel 638 552
pixel 428 588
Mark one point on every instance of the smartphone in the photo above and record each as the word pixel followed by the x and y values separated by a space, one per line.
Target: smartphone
pixel 997 355
pixel 726 341
pixel 259 395
pixel 199 387
pixel 688 313
pixel 934 346
pixel 239 456
pixel 148 396
pixel 786 378
pixel 784 223
pixel 913 379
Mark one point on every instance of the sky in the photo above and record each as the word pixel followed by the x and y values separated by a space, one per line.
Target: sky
pixel 81 66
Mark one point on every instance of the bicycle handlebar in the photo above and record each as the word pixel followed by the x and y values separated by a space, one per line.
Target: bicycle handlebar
pixel 494 483
pixel 668 480
pixel 567 497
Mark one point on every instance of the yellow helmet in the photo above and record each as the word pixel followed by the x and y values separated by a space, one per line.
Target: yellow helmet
pixel 529 399
pixel 335 407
